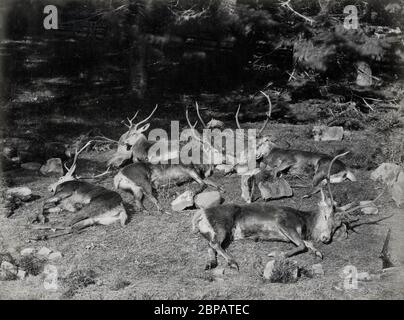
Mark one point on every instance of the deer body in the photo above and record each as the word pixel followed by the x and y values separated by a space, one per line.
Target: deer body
pixel 261 221
pixel 298 161
pixel 142 178
pixel 91 204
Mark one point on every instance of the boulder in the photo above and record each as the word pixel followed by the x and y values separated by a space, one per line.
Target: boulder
pixel 317 269
pixel 32 166
pixel 387 173
pixel 215 124
pixel 183 201
pixel 208 199
pixel 9 268
pixel 276 189
pixel 370 208
pixel 324 133
pixel 21 193
pixel 55 255
pixel 27 251
pixel 364 77
pixel 21 274
pixel 397 190
pixel 53 166
pixel 44 252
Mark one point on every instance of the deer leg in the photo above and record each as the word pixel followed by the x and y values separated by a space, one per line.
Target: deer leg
pixel 311 247
pixel 83 224
pixel 229 259
pixel 148 191
pixel 212 262
pixel 295 238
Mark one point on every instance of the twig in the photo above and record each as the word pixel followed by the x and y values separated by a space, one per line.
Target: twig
pixel 368 105
pixel 287 5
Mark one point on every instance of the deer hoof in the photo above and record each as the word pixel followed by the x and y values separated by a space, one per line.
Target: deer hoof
pixel 319 254
pixel 234 265
pixel 211 265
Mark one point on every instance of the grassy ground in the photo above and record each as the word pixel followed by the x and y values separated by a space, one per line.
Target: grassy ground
pixel 157 257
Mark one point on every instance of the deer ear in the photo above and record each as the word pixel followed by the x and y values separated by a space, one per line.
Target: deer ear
pixel 144 128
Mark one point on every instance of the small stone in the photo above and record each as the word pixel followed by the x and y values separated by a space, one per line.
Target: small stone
pixel 44 252
pixel 32 166
pixel 55 255
pixel 22 193
pixel 370 208
pixel 364 276
pixel 317 269
pixel 27 251
pixel 324 133
pixel 53 166
pixel 184 201
pixel 268 270
pixel 208 199
pixel 387 173
pixel 9 267
pixel 218 272
pixel 21 274
pixel 212 124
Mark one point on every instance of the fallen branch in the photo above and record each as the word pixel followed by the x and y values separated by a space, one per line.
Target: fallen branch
pixel 287 5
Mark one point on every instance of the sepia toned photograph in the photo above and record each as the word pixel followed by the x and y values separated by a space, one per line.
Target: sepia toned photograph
pixel 201 150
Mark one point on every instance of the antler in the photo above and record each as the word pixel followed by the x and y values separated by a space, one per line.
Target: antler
pixel 236 116
pixel 96 176
pixel 132 126
pixel 72 168
pixel 268 113
pixel 199 115
pixel 130 121
pixel 329 176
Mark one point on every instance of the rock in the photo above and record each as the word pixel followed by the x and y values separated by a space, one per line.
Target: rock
pixel 364 76
pixel 324 133
pixel 269 268
pixel 278 188
pixel 32 166
pixel 27 251
pixel 387 173
pixel 364 276
pixel 44 252
pixel 208 199
pixel 53 166
pixel 9 268
pixel 317 269
pixel 183 201
pixel 213 123
pixel 218 272
pixel 397 191
pixel 55 255
pixel 22 193
pixel 370 208
pixel 21 274
pixel 226 168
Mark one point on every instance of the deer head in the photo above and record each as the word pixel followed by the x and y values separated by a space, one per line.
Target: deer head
pixel 132 140
pixel 208 149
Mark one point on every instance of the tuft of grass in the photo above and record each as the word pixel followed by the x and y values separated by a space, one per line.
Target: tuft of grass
pixel 78 279
pixel 32 265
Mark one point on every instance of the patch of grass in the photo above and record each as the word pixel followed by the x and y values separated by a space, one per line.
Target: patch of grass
pixel 78 279
pixel 32 265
